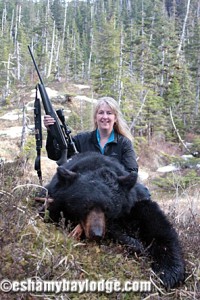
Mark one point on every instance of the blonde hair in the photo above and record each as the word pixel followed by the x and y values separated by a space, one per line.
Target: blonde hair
pixel 120 125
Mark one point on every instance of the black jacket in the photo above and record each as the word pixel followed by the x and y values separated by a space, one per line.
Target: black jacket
pixel 121 148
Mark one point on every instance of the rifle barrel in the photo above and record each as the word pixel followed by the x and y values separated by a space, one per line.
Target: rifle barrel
pixel 35 65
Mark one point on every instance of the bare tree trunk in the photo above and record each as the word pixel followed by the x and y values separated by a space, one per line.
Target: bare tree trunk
pixel 67 63
pixel 17 23
pixel 3 20
pixel 45 40
pixel 57 67
pixel 120 67
pixel 75 54
pixel 23 137
pixel 131 50
pixel 152 29
pixel 142 52
pixel 196 112
pixel 52 48
pixel 162 71
pixel 183 30
pixel 8 74
pixel 91 43
pixel 11 25
pixel 142 96
pixel 16 26
pixel 91 51
pixel 19 14
pixel 64 25
pixel 149 131
pixel 18 61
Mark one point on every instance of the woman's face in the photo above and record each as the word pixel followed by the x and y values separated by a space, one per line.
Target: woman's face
pixel 105 118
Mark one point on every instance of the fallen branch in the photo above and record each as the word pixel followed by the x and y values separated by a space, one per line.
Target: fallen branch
pixel 40 199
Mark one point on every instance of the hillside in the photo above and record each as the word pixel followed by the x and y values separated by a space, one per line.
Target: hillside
pixel 31 248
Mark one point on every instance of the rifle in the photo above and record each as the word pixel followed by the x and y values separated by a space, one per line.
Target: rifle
pixel 66 130
pixel 38 135
pixel 55 129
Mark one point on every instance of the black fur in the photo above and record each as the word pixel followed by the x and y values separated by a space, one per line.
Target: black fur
pixel 91 180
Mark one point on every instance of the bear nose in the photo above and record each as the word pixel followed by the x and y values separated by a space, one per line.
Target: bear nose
pixel 96 234
pixel 94 224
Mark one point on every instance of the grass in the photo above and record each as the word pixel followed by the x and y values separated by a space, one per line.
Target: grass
pixel 31 248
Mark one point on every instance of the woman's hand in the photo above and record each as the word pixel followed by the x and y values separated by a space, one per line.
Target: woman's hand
pixel 48 120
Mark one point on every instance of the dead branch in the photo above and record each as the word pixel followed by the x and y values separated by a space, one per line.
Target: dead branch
pixel 139 112
pixel 177 132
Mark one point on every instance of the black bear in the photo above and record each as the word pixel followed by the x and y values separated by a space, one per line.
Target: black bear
pixel 97 192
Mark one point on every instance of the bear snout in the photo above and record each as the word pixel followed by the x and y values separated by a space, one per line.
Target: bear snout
pixel 94 224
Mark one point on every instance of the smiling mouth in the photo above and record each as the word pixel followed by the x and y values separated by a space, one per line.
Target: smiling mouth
pixel 105 122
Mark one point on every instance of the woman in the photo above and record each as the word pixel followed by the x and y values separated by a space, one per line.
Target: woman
pixel 111 136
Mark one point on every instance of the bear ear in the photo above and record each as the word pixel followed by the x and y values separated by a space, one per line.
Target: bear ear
pixel 65 174
pixel 129 180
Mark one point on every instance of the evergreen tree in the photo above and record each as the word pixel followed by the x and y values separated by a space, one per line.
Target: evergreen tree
pixel 128 49
pixel 107 53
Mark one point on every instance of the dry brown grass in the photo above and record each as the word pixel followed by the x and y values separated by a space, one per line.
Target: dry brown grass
pixel 31 248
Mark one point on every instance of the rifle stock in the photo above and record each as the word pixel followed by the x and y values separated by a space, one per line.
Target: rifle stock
pixel 55 129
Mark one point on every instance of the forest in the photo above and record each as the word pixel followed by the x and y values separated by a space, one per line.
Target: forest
pixel 144 53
